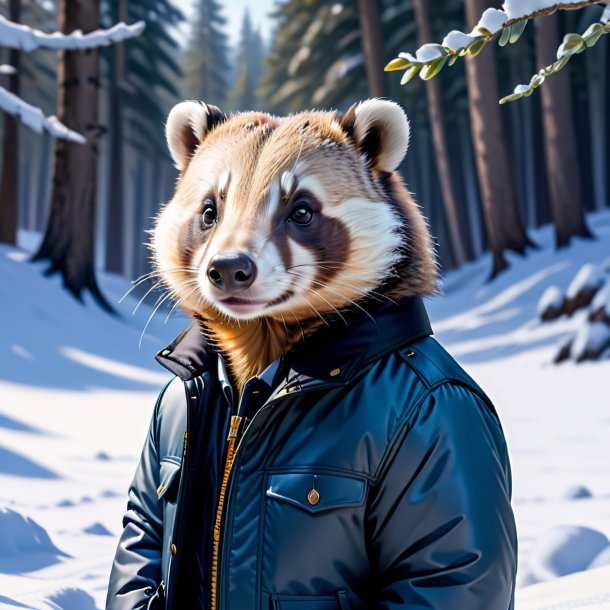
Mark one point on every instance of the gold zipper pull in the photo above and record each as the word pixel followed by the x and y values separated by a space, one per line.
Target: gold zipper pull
pixel 186 434
pixel 235 421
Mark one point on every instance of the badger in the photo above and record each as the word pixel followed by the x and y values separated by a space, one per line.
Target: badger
pixel 278 224
pixel 317 447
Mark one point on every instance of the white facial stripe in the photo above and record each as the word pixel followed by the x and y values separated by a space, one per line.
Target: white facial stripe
pixel 288 182
pixel 314 186
pixel 273 201
pixel 223 181
pixel 373 229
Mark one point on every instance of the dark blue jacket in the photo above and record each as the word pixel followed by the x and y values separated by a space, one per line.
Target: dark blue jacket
pixel 405 453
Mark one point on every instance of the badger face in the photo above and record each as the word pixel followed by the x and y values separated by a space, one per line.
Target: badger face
pixel 287 218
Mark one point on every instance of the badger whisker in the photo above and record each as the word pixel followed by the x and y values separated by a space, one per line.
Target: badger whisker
pixel 354 303
pixel 160 302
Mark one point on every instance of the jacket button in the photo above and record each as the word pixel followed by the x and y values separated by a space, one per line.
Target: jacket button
pixel 313 497
pixel 335 372
pixel 174 549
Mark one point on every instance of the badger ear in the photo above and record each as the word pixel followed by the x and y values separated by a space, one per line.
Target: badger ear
pixel 186 127
pixel 380 131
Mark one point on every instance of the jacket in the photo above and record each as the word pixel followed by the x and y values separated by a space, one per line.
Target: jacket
pixel 368 471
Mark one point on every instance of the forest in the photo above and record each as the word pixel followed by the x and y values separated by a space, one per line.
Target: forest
pixel 485 174
pixel 514 180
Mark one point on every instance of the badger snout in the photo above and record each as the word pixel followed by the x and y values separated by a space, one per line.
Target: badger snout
pixel 232 271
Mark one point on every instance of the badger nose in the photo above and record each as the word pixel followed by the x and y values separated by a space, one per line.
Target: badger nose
pixel 232 271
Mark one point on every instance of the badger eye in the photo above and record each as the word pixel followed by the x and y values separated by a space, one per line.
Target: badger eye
pixel 209 215
pixel 301 215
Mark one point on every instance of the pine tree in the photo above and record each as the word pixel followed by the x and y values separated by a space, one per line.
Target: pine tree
pixel 8 178
pixel 143 77
pixel 69 237
pixel 250 60
pixel 206 64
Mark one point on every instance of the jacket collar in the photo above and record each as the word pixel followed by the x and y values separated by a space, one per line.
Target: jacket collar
pixel 332 353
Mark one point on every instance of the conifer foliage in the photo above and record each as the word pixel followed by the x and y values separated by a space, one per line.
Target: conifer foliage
pixel 206 65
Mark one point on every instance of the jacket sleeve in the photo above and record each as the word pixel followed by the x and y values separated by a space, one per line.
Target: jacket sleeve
pixel 442 532
pixel 136 571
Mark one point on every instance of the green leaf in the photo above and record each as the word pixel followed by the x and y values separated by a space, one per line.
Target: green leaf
pixel 517 30
pixel 410 74
pixel 453 59
pixel 505 38
pixel 398 63
pixel 593 33
pixel 560 64
pixel 572 43
pixel 474 48
pixel 536 81
pixel 432 69
pixel 511 98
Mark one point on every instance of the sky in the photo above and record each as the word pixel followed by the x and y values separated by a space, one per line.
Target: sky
pixel 259 12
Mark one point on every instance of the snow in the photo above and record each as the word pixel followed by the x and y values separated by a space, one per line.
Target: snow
pixel 456 40
pixel 491 21
pixel 563 550
pixel 76 395
pixel 583 591
pixel 428 53
pixel 589 277
pixel 601 301
pixel 605 18
pixel 522 88
pixel 33 117
pixel 25 38
pixel 590 340
pixel 6 69
pixel 521 8
pixel 551 301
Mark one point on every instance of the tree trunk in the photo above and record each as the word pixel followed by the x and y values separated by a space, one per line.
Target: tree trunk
pixel 597 78
pixel 114 224
pixel 69 237
pixel 10 153
pixel 498 193
pixel 562 161
pixel 372 46
pixel 435 112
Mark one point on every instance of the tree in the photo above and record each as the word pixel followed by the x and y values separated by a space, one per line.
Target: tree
pixel 250 61
pixel 562 162
pixel 372 46
pixel 500 203
pixel 144 82
pixel 114 234
pixel 206 63
pixel 8 180
pixel 68 240
pixel 435 110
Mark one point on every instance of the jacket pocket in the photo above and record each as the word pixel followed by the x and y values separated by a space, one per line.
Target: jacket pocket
pixel 169 468
pixel 338 601
pixel 315 492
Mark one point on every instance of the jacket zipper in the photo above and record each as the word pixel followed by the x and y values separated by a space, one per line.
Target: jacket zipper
pixel 232 451
pixel 231 439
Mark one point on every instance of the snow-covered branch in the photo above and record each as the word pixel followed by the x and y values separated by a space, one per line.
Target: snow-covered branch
pixel 24 38
pixel 509 24
pixel 33 117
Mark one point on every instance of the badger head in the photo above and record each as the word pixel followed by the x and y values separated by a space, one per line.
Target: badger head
pixel 289 219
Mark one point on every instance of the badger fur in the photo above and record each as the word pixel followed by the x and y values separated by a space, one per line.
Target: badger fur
pixel 279 224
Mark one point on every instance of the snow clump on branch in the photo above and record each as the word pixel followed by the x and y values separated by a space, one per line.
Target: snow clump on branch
pixel 17 36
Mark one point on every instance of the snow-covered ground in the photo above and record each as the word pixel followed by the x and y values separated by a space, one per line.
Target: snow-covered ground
pixel 76 395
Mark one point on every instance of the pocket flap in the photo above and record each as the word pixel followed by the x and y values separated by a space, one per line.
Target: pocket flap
pixel 168 471
pixel 310 602
pixel 315 492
